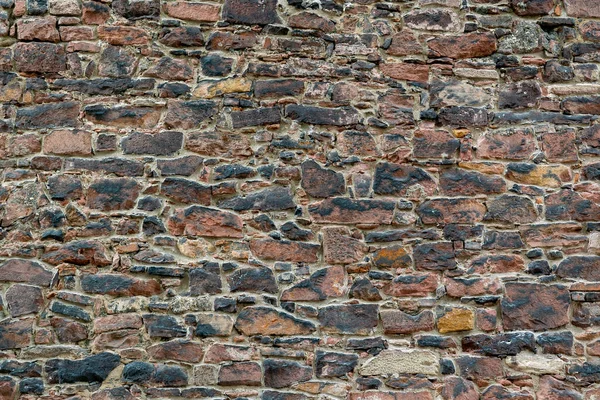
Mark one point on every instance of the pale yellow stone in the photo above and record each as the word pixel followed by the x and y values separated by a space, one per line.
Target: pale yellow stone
pixel 210 89
pixel 390 362
pixel 194 248
pixel 458 319
pixel 537 364
pixel 460 133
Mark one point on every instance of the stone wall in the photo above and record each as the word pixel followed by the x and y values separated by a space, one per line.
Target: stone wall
pixel 300 199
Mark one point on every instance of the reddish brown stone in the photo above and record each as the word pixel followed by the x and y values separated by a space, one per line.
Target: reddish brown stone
pixel 15 333
pixel 404 43
pixel 68 142
pixel 530 306
pixel 354 319
pixel 269 321
pixel 543 175
pixel 457 210
pixel 219 144
pixel 177 350
pixel 554 235
pixel 204 221
pixel 516 144
pixel 249 12
pixel 24 299
pixel 582 8
pixel 434 144
pixel 324 283
pixel 117 322
pixel 113 194
pixel 123 35
pixel 567 205
pixel 341 248
pixel 349 211
pixel 552 389
pixel 392 257
pixel 285 373
pixel 31 272
pixel 240 373
pixel 79 253
pixel 40 57
pixel 119 285
pixel 459 287
pixel 38 29
pixel 468 45
pixel 68 331
pixel 307 20
pixel 400 323
pixel 402 180
pixel 219 352
pixel 560 146
pixel 497 264
pixel 458 182
pixel 456 388
pixel 419 285
pixel 406 71
pixel 284 250
pixel 199 12
pixel 321 182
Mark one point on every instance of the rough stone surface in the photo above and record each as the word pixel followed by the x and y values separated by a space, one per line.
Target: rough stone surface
pixel 300 199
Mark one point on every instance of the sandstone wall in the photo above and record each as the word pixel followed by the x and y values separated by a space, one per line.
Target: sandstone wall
pixel 300 199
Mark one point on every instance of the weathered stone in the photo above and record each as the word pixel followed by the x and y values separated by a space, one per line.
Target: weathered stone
pixel 68 142
pixel 340 248
pixel 506 344
pixel 390 362
pixel 57 115
pixel 406 71
pixel 117 62
pixel 399 322
pixel 15 333
pixel 412 285
pixel 402 180
pixel 123 116
pixel 342 210
pixel 252 280
pixel 532 7
pixel 258 117
pixel 519 95
pixel 186 191
pixel 123 35
pixel 31 272
pixel 95 368
pixel 204 221
pixel 323 116
pixel 284 250
pixel 199 12
pixel 269 321
pixel 581 8
pixel 456 388
pixel 458 182
pixel 457 210
pixel 284 373
pixel 392 257
pixel 119 285
pixel 530 306
pixel 177 350
pixel 163 326
pixel 532 174
pixel 321 182
pixel 79 253
pixel 113 194
pixel 567 204
pixel 221 144
pixel 464 46
pixel 456 320
pixel 457 93
pixel 434 144
pixel 324 283
pixel 40 57
pixel 24 299
pixel 242 373
pixel 250 12
pixel 356 319
pixel 270 199
pixel 159 144
pixel 511 209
